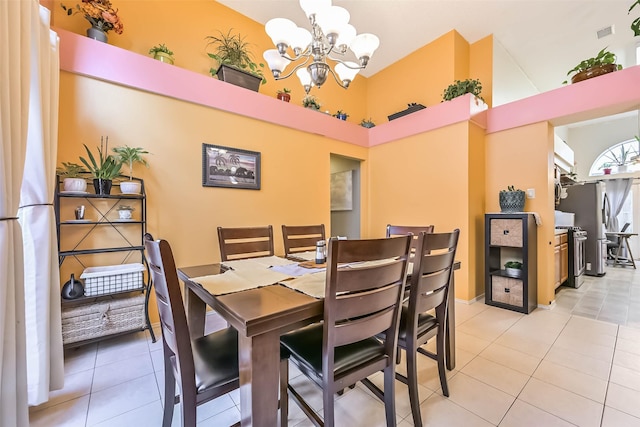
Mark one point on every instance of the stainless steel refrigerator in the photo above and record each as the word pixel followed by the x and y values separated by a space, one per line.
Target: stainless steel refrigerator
pixel 587 201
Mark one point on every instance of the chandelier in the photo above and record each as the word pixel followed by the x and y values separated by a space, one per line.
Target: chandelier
pixel 330 37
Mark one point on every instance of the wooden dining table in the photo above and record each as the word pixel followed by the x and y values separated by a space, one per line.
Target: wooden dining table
pixel 261 315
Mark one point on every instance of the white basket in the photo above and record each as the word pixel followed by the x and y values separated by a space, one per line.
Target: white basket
pixel 112 278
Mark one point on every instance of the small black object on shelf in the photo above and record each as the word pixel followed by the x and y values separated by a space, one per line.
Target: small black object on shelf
pixel 73 288
pixel 411 108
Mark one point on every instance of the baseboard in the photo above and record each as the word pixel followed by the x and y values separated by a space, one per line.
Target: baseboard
pixel 471 301
pixel 548 306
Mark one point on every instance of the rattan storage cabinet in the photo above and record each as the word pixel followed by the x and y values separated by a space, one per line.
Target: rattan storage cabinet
pixel 107 253
pixel 511 237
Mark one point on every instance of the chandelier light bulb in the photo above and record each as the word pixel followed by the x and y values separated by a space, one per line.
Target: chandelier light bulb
pixel 363 47
pixel 332 20
pixel 280 30
pixel 312 7
pixel 347 34
pixel 347 72
pixel 301 38
pixel 276 63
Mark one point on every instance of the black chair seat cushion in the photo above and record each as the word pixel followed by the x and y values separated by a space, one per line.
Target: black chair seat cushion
pixel 305 345
pixel 426 322
pixel 215 358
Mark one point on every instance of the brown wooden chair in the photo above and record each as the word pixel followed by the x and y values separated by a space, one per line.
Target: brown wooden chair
pixel 245 242
pixel 359 304
pixel 301 238
pixel 428 289
pixel 401 230
pixel 206 367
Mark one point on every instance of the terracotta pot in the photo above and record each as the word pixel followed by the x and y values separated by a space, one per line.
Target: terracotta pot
pixel 286 97
pixel 594 72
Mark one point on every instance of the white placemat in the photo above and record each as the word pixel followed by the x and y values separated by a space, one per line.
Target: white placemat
pixel 310 284
pixel 307 255
pixel 252 263
pixel 235 281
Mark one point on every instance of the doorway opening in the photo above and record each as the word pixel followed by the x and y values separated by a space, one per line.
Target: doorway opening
pixel 345 196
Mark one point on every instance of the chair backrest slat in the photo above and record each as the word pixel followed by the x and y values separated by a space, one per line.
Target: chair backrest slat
pixel 173 320
pixel 301 238
pixel 245 242
pixel 361 302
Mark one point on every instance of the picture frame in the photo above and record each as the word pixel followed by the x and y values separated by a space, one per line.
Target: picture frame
pixel 230 167
pixel 342 191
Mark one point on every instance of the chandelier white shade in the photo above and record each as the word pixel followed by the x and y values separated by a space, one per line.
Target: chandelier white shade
pixel 330 38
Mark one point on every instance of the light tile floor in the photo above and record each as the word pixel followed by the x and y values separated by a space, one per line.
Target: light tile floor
pixel 550 368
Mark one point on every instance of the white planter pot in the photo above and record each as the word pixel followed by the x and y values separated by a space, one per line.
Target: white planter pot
pixel 124 214
pixel 130 187
pixel 514 272
pixel 622 168
pixel 75 184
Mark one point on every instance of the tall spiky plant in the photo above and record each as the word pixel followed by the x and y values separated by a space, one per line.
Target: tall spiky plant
pixel 107 166
pixel 131 155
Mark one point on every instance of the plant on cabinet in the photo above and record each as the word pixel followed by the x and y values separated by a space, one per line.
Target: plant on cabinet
pixel 513 268
pixel 71 172
pixel 104 169
pixel 130 156
pixel 511 200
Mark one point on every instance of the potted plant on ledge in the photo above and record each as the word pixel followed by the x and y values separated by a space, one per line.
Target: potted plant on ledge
pixel 104 169
pixel 236 65
pixel 162 53
pixel 311 102
pixel 460 87
pixel 129 156
pixel 341 115
pixel 603 63
pixel 284 94
pixel 72 181
pixel 367 123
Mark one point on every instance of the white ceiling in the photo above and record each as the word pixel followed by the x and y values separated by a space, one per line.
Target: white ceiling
pixel 545 38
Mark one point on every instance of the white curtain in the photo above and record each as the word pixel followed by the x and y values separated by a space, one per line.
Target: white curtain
pixel 28 54
pixel 617 191
pixel 45 360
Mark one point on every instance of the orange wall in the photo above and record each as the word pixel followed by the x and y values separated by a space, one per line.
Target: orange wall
pixel 481 66
pixel 523 157
pixel 403 174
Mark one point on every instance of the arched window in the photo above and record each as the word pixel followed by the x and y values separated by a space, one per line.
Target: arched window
pixel 622 157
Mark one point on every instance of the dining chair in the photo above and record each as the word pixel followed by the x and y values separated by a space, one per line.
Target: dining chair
pixel 245 242
pixel 204 368
pixel 429 286
pixel 400 230
pixel 301 238
pixel 361 301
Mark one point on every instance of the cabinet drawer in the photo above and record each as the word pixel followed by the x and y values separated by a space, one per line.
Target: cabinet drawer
pixel 506 232
pixel 507 290
pixel 563 238
pixel 557 240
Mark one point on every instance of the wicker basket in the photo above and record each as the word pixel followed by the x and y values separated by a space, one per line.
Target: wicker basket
pixel 99 319
pixel 112 278
pixel 512 201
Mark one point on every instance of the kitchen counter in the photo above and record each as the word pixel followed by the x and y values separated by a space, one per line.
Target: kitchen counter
pixel 558 231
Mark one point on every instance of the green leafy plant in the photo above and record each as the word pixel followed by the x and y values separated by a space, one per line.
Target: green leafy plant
pixel 635 25
pixel 513 264
pixel 106 167
pixel 129 156
pixel 622 156
pixel 160 48
pixel 367 123
pixel 284 90
pixel 341 113
pixel 606 165
pixel 460 87
pixel 604 57
pixel 510 188
pixel 70 170
pixel 232 49
pixel 312 102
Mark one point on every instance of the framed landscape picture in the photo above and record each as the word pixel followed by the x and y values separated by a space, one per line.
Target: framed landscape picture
pixel 230 167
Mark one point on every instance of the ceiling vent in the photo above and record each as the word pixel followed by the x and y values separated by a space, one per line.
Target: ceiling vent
pixel 604 32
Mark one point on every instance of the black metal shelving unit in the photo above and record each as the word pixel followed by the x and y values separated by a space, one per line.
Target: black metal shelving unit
pixel 83 243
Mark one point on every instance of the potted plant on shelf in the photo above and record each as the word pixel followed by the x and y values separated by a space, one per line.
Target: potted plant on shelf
pixel 162 53
pixel 130 156
pixel 341 115
pixel 284 94
pixel 236 65
pixel 460 87
pixel 124 212
pixel 104 169
pixel 72 181
pixel 101 15
pixel 511 200
pixel 367 123
pixel 513 268
pixel 635 25
pixel 603 63
pixel 606 168
pixel 311 102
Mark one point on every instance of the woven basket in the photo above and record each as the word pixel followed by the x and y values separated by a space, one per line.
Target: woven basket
pixel 512 201
pixel 94 320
